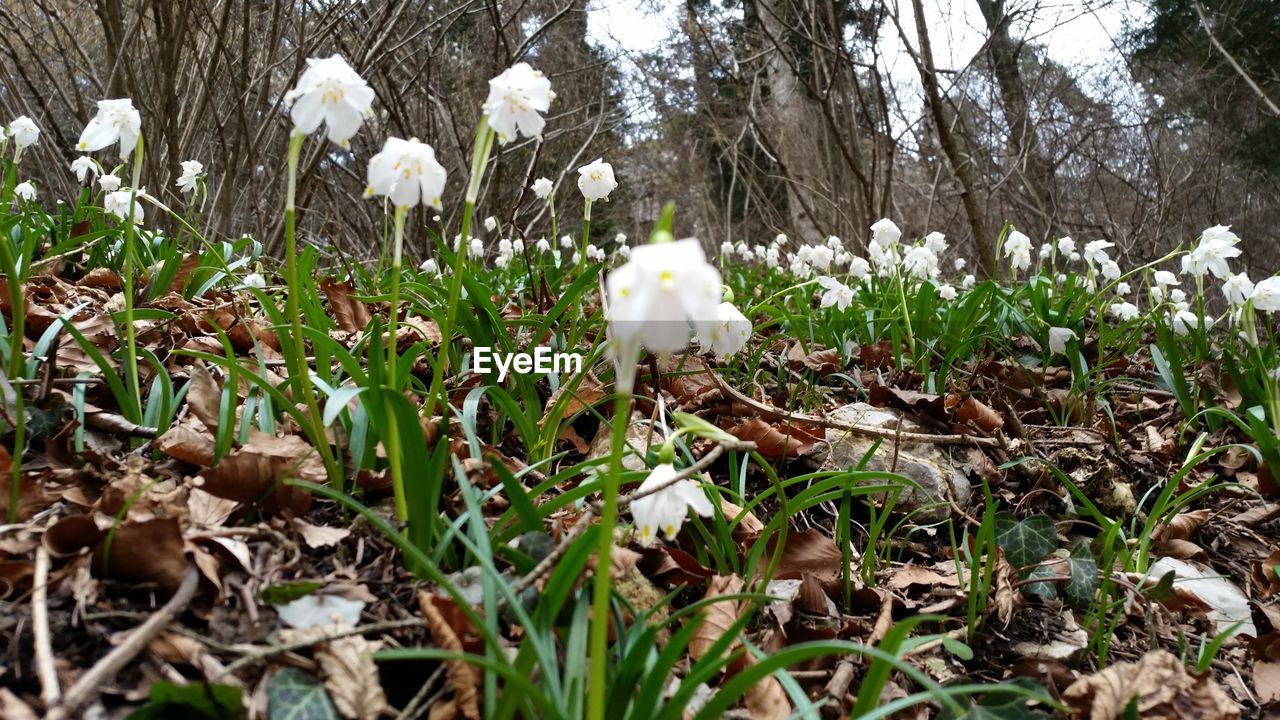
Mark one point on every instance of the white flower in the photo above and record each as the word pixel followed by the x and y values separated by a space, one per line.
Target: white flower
pixel 665 510
pixel 883 257
pixel 490 223
pixel 542 187
pixel 1266 295
pixel 406 171
pixel 502 261
pixel 1017 247
pixel 517 99
pixel 772 257
pixel 109 183
pixel 1124 311
pixel 968 282
pixel 596 180
pixel 837 293
pixel 594 254
pixel 1110 269
pixel 24 132
pixel 191 172
pixel 1217 244
pixel 1164 278
pixel 1123 288
pixel 885 233
pixel 621 239
pixel 1058 338
pixel 1177 296
pixel 959 263
pixel 117 120
pixel 1237 289
pixel 780 239
pixel 429 266
pixel 255 280
pixel 743 249
pixel 726 250
pixel 475 248
pixel 542 245
pixel 936 241
pixel 728 333
pixel 1095 252
pixel 820 257
pixel 25 191
pixel 506 248
pixel 859 268
pixel 920 262
pixel 1066 246
pixel 655 297
pixel 623 252
pixel 947 292
pixel 1184 321
pixel 799 268
pixel 330 91
pixel 833 242
pixel 517 246
pixel 1074 257
pixel 117 203
pixel 1045 251
pixel 82 166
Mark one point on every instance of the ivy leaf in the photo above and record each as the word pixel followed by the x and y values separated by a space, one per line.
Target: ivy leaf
pixel 1025 542
pixel 1082 577
pixel 295 695
pixel 1046 587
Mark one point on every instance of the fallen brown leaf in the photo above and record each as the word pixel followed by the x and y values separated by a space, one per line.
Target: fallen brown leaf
pixel 351 314
pixel 463 676
pixel 351 677
pixel 718 616
pixel 823 362
pixel 777 441
pixel 1161 686
pixel 255 473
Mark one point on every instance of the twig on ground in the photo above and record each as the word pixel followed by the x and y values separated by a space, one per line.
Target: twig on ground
pixel 426 697
pixel 45 669
pixel 106 668
pixel 255 654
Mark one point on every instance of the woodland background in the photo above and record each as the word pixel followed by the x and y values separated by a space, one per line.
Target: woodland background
pixel 770 116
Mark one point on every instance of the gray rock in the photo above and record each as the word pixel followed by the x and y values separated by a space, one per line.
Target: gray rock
pixel 939 474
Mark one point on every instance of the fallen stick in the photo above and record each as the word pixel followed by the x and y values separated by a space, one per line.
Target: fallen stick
pixel 106 668
pixel 45 669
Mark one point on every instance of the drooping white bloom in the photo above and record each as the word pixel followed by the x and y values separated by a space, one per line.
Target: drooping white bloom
pixel 190 177
pixel 1017 247
pixel 1217 245
pixel 502 261
pixel 542 245
pixel 1164 278
pixel 837 293
pixel 820 257
pixel 1095 252
pixel 517 246
pixel 1059 337
pixel 1237 289
pixel 859 268
pixel 620 239
pixel 936 242
pixel 1066 245
pixel 24 132
pixel 542 188
pixel 780 239
pixel 726 250
pixel 1124 311
pixel 1266 295
pixel 883 257
pixel 728 333
pixel 665 510
pixel 661 291
pixel 332 92
pixel 834 243
pixel 116 121
pixel 429 266
pixel 803 252
pixel 799 267
pixel 959 263
pixel 743 249
pixel 109 183
pixel 596 180
pixel 117 203
pixel 1184 321
pixel 885 233
pixel 1074 257
pixel 25 191
pixel 842 259
pixel 920 262
pixel 594 254
pixel 623 252
pixel 1177 296
pixel 505 247
pixel 566 242
pixel 255 280
pixel 772 257
pixel 82 166
pixel 1123 288
pixel 1110 269
pixel 1046 250
pixel 968 282
pixel 490 223
pixel 406 172
pixel 475 248
pixel 517 99
pixel 947 292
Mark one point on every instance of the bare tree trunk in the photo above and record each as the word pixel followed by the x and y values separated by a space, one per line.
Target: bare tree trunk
pixel 947 141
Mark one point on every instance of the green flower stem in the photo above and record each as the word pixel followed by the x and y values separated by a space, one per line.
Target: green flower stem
pixel 130 333
pixel 393 432
pixel 16 333
pixel 479 159
pixel 602 582
pixel 586 235
pixel 906 316
pixel 296 354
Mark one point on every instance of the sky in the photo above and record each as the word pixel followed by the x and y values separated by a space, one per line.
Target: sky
pixel 1078 33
